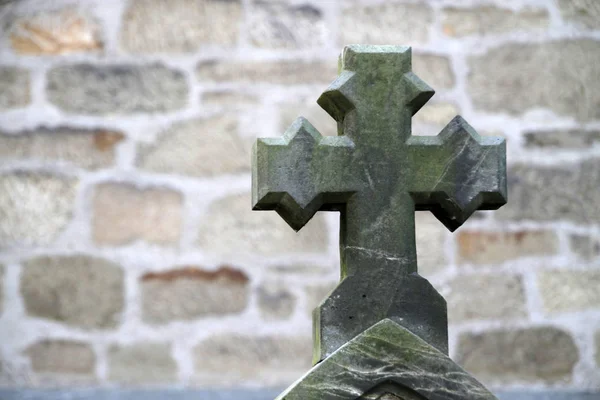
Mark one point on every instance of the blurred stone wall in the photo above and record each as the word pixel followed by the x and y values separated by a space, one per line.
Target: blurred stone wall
pixel 129 251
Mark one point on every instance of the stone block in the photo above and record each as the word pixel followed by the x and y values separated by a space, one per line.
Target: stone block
pixel 387 23
pixel 141 363
pixel 231 359
pixel 434 69
pixel 86 148
pixel 486 20
pixel 81 291
pixel 431 237
pixel 569 291
pixel 562 139
pixel 190 293
pixel 480 247
pixel 178 26
pixel 584 13
pixel 56 32
pixel 268 72
pixel 199 147
pixel 35 207
pixel 550 193
pixel 585 247
pixel 533 355
pixel 116 89
pixel 479 297
pixel 15 86
pixel 124 213
pixel 508 78
pixel 63 357
pixel 275 302
pixel 230 223
pixel 291 26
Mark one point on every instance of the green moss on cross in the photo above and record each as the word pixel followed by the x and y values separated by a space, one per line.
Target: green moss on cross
pixel 377 175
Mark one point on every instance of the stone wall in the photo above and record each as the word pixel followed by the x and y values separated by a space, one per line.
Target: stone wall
pixel 129 252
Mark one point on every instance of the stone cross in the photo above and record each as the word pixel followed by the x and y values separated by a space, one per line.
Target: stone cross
pixel 376 174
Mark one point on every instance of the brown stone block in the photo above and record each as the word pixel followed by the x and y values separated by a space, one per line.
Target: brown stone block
pixel 190 293
pixel 480 247
pixel 86 148
pixel 56 32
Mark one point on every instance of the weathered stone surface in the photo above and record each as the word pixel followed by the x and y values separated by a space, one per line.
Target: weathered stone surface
pixel 190 293
pixel 437 113
pixel 435 70
pixel 68 30
pixel 270 72
pixel 116 89
pixel 124 213
pixel 487 20
pixel 281 25
pixel 481 247
pixel 508 78
pixel 275 301
pixel 228 99
pixel 147 362
pixel 81 291
pixel 231 359
pixel 15 86
pixel 397 23
pixel 475 297
pixel 567 192
pixel 174 26
pixel 86 148
pixel 431 239
pixel 540 354
pixel 62 357
pixel 312 112
pixel 569 291
pixel 199 147
pixel 230 224
pixel 378 174
pixel 35 207
pixel 386 353
pixel 562 139
pixel 583 12
pixel 586 247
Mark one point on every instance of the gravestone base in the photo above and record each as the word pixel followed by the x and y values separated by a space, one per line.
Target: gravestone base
pixel 387 362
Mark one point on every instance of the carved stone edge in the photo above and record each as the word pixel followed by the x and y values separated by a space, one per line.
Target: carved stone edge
pixel 386 353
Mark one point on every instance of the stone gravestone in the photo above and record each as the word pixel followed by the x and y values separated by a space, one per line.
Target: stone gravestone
pixel 382 332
